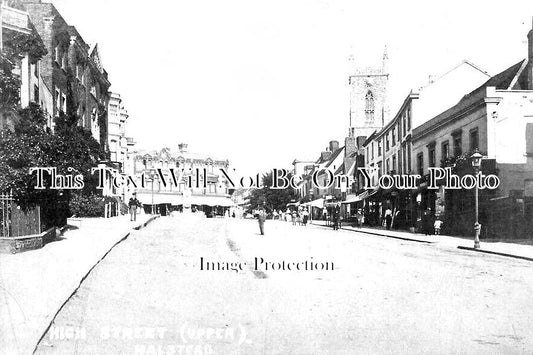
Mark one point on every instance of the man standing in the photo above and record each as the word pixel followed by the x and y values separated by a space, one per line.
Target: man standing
pixel 261 218
pixel 133 204
pixel 388 218
pixel 336 216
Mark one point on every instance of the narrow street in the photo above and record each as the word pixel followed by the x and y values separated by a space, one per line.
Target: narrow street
pixel 149 296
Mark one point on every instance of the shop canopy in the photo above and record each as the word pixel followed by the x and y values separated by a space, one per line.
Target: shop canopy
pixel 316 203
pixel 361 196
pixel 174 199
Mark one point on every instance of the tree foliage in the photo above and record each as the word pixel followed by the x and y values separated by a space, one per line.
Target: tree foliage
pixel 28 146
pixel 271 199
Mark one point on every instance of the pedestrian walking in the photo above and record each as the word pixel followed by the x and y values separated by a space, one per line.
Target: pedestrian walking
pixel 133 204
pixel 261 218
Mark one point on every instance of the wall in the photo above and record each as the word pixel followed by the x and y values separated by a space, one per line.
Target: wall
pixel 446 91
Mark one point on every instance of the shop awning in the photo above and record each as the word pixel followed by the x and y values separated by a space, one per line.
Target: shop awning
pixel 175 199
pixel 319 202
pixel 210 201
pixel 352 199
pixel 159 198
pixel 361 196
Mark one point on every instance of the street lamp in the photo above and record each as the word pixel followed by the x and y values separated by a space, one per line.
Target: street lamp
pixel 476 164
pixel 152 177
pixel 311 196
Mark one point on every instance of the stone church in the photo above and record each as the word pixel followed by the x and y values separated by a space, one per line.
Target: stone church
pixel 368 99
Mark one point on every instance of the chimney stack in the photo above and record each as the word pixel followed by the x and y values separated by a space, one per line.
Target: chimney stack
pixel 360 140
pixel 325 155
pixel 350 150
pixel 183 147
pixel 333 146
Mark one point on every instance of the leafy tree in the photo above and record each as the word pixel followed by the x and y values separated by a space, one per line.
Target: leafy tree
pixel 28 146
pixel 271 199
pixel 71 148
pixel 9 86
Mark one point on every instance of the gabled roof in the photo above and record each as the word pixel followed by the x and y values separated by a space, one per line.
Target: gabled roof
pixel 334 156
pixel 73 32
pixel 464 61
pixel 370 138
pixel 95 57
pixel 351 169
pixel 501 81
pixel 339 170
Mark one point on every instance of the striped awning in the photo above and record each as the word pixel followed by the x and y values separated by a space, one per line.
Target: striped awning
pixel 361 196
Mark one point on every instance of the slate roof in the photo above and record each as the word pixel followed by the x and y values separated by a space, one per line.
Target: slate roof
pixel 334 156
pixel 501 81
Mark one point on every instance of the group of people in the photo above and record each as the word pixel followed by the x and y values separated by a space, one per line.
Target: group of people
pixel 300 217
pixel 431 225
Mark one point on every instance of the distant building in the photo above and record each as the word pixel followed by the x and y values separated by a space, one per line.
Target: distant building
pixel 300 169
pixel 368 99
pixel 191 193
pixel 116 126
pixel 121 147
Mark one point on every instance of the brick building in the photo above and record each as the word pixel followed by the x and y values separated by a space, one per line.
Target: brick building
pixel 72 69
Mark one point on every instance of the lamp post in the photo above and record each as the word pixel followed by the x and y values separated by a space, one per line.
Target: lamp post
pixel 152 178
pixel 311 193
pixel 476 164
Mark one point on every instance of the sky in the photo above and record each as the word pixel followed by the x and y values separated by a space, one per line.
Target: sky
pixel 262 83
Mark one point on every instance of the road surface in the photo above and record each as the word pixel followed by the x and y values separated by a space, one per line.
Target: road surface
pixel 380 295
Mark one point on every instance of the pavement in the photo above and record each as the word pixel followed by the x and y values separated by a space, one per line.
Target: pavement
pixel 514 250
pixel 35 284
pixel 382 296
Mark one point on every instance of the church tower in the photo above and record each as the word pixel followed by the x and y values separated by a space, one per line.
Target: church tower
pixel 368 94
